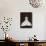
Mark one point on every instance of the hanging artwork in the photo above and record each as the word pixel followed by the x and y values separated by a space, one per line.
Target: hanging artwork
pixel 5 25
pixel 36 3
pixel 26 19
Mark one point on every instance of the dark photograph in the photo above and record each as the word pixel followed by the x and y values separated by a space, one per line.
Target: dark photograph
pixel 25 19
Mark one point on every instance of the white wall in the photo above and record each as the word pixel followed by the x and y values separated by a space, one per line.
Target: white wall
pixel 12 8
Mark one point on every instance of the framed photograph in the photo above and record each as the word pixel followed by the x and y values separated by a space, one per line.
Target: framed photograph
pixel 25 19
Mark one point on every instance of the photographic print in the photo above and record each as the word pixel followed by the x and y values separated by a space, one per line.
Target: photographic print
pixel 25 19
